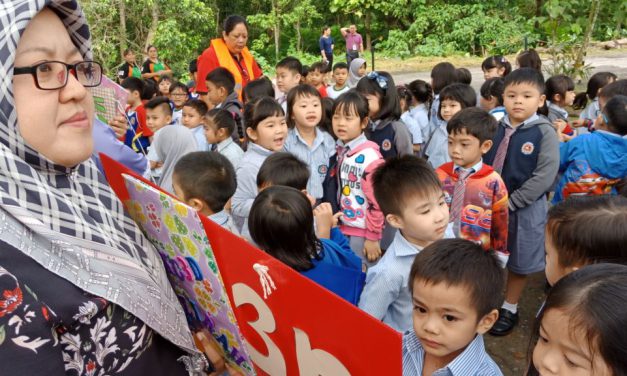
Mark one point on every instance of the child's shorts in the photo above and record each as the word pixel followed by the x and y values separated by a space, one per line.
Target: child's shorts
pixel 525 238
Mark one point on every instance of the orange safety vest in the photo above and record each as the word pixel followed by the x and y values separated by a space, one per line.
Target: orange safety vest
pixel 225 58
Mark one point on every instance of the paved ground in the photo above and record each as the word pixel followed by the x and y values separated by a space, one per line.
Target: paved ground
pixel 510 352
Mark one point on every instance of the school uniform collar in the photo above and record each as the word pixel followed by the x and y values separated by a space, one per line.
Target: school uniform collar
pixel 557 109
pixel 475 168
pixel 317 141
pixel 402 247
pixel 225 143
pixel 417 108
pixel 259 149
pixel 220 217
pixel 530 119
pixel 351 145
pixel 610 133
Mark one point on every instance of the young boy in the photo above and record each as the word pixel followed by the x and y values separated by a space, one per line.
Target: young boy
pixel 158 115
pixel 194 111
pixel 411 198
pixel 221 94
pixel 130 67
pixel 456 290
pixel 340 74
pixel 316 77
pixel 138 135
pixel 178 97
pixel 525 152
pixel 475 193
pixel 219 126
pixel 288 75
pixel 206 182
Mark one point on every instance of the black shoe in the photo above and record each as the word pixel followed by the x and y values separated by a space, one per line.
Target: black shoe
pixel 505 324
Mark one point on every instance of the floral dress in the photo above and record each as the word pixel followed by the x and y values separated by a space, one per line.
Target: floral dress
pixel 49 326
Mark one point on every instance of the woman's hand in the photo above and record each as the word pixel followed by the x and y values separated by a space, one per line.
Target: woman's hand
pixel 372 250
pixel 119 125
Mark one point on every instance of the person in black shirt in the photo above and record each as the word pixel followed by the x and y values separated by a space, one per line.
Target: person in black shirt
pixel 130 67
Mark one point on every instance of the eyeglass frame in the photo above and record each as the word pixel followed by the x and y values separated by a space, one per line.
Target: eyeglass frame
pixel 69 68
pixel 381 80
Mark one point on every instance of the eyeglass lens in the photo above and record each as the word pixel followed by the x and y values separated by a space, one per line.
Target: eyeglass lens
pixel 52 75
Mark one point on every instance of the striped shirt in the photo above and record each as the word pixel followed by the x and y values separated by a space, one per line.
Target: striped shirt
pixel 224 219
pixel 474 360
pixel 316 156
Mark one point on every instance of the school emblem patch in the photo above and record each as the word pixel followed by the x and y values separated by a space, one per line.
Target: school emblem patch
pixel 527 148
pixel 322 169
pixel 386 145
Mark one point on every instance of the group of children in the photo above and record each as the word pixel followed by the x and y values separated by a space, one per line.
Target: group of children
pixel 410 201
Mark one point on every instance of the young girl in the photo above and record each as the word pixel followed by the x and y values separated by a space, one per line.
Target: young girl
pixel 174 141
pixel 219 125
pixel 591 110
pixel 581 329
pixel 405 100
pixel 594 163
pixel 442 75
pixel 585 230
pixel 178 96
pixel 492 97
pixel 529 59
pixel 305 140
pixel 421 99
pixel 266 129
pixel 348 186
pixel 281 223
pixel 385 127
pixel 495 66
pixel 164 86
pixel 453 99
pixel 560 93
pixel 356 71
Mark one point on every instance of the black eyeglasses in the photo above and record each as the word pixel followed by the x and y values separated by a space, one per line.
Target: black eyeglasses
pixel 53 75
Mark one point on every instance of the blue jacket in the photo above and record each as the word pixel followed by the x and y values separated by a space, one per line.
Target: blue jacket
pixel 392 136
pixel 591 164
pixel 339 269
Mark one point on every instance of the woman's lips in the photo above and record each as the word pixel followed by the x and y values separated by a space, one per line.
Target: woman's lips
pixel 78 120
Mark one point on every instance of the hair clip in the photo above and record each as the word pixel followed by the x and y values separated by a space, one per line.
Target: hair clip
pixel 382 81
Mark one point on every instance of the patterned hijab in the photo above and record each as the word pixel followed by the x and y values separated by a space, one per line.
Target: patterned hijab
pixel 92 243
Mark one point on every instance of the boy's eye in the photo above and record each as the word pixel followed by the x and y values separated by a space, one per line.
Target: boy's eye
pixel 420 309
pixel 570 363
pixel 450 318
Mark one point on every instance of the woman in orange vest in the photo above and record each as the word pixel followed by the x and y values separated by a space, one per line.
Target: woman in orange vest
pixel 154 68
pixel 229 52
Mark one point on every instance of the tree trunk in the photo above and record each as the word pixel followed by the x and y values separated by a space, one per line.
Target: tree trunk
pixel 122 30
pixel 368 36
pixel 595 5
pixel 299 46
pixel 154 23
pixel 536 25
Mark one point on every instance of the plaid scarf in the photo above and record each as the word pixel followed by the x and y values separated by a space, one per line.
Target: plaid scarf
pixel 73 210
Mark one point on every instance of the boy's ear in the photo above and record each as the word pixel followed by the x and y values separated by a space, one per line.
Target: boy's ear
pixel 223 92
pixel 395 221
pixel 487 321
pixel 251 133
pixel 168 118
pixel 542 99
pixel 364 123
pixel 196 204
pixel 485 146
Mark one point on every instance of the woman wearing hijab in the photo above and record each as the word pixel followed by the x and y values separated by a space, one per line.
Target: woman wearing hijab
pixel 356 71
pixel 82 291
pixel 174 141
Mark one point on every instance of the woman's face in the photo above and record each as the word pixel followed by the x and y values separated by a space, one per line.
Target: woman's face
pixel 56 123
pixel 236 40
pixel 152 53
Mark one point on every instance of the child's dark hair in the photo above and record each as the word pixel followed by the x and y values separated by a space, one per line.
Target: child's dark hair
pixel 340 65
pixel 525 76
pixel 178 85
pixel 261 109
pixel 618 87
pixel 162 103
pixel 261 87
pixel 292 64
pixel 464 76
pixel 318 66
pixel 595 83
pixel 493 87
pixel 421 91
pixel 281 223
pixel 283 169
pixel 594 299
pixel 475 121
pixel 300 91
pixel 589 229
pixel 559 84
pixel 127 51
pixel 442 75
pixel 222 77
pixel 403 95
pixel 615 112
pixel 497 62
pixel 351 103
pixel 150 90
pixel 381 84
pixel 209 177
pixel 402 178
pixel 460 262
pixel 463 94
pixel 222 119
pixel 305 71
pixel 327 114
pixel 133 84
pixel 529 59
pixel 198 105
pixel 165 77
pixel 193 66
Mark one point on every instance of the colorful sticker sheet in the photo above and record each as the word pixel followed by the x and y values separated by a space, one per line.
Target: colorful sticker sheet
pixel 109 99
pixel 178 234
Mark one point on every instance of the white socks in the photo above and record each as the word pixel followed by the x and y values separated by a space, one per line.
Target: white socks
pixel 513 308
